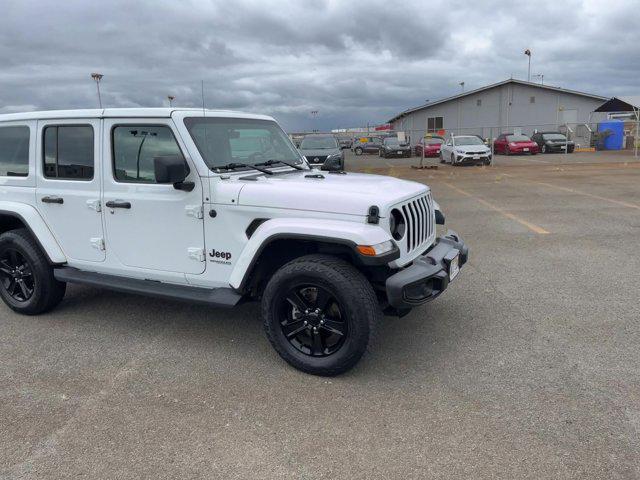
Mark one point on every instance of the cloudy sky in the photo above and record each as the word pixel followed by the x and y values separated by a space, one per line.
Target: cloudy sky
pixel 351 61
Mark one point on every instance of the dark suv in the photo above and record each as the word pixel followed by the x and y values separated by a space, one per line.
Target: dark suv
pixel 392 147
pixel 317 148
pixel 553 142
pixel 369 145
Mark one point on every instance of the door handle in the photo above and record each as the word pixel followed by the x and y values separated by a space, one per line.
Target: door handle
pixel 118 204
pixel 52 200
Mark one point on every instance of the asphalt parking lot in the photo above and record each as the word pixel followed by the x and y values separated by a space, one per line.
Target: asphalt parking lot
pixel 526 368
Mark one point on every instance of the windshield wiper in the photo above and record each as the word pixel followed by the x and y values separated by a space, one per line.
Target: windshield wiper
pixel 268 163
pixel 233 166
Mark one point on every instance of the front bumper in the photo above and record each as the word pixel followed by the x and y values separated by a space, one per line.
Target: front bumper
pixel 394 153
pixel 428 276
pixel 560 148
pixel 470 158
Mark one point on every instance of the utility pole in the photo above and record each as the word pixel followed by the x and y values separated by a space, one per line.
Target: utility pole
pixel 171 99
pixel 97 77
pixel 527 52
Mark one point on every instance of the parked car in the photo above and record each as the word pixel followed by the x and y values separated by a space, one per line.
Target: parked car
pixel 431 146
pixel 369 145
pixel 392 147
pixel 345 142
pixel 215 208
pixel 553 142
pixel 461 149
pixel 318 148
pixel 509 143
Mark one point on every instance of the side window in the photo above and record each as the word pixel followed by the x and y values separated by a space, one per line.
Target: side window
pixel 135 146
pixel 14 151
pixel 68 152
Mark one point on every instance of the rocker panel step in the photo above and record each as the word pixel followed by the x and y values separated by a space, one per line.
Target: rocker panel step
pixel 220 297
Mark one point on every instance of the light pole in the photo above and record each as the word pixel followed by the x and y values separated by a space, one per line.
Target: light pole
pixel 462 86
pixel 171 99
pixel 97 77
pixel 540 76
pixel 527 52
pixel 314 115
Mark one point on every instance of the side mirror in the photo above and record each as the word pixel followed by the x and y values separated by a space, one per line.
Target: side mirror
pixel 332 164
pixel 172 169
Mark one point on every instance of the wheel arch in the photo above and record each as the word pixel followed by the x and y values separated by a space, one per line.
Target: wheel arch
pixel 277 242
pixel 15 215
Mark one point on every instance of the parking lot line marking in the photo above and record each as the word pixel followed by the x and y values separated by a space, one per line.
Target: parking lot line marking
pixel 578 192
pixel 511 216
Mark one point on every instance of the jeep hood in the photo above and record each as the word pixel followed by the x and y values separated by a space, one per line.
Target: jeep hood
pixel 350 193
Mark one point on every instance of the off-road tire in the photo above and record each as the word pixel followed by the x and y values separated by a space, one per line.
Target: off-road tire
pixel 47 291
pixel 354 295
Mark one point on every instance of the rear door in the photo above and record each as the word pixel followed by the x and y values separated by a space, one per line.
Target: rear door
pixel 150 226
pixel 68 185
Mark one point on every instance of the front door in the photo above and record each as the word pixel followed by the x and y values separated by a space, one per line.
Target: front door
pixel 68 185
pixel 149 225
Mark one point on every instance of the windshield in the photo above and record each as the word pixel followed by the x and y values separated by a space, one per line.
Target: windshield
pixel 221 141
pixel 468 141
pixel 434 141
pixel 518 138
pixel 553 136
pixel 318 143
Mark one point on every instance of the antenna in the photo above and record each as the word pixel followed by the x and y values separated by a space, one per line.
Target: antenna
pixel 202 93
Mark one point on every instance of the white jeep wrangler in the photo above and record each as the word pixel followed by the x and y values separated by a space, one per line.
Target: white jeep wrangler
pixel 215 207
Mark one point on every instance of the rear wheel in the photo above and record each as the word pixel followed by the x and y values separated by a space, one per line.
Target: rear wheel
pixel 358 151
pixel 319 314
pixel 544 149
pixel 27 284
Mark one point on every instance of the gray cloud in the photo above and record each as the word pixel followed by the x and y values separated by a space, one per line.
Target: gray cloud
pixel 353 61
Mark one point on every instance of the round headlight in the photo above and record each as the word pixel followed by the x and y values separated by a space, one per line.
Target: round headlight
pixel 397 225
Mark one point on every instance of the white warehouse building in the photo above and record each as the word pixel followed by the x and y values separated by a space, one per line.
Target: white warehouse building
pixel 511 105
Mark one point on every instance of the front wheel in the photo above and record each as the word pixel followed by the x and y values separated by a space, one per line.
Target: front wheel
pixel 27 284
pixel 544 149
pixel 320 313
pixel 358 151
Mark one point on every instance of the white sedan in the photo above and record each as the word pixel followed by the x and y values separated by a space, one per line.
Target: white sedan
pixel 459 149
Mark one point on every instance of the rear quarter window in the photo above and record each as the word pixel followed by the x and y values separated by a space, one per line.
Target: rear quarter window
pixel 14 151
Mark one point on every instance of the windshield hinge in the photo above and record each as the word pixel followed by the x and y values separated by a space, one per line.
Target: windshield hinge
pixel 195 211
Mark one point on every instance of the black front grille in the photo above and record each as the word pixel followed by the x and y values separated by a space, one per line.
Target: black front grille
pixel 316 158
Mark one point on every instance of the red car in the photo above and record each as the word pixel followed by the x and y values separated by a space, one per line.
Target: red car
pixel 431 147
pixel 509 143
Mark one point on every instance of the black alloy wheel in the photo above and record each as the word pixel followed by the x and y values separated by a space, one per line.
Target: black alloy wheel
pixel 320 314
pixel 16 275
pixel 311 320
